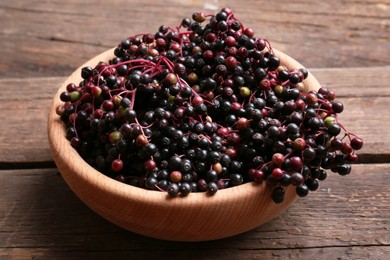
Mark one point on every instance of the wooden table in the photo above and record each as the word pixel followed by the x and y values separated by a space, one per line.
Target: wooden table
pixel 346 45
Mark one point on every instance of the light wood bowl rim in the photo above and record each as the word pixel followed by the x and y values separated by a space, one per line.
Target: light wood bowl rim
pixel 93 187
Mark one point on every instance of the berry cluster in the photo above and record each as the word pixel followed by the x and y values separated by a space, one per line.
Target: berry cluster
pixel 205 106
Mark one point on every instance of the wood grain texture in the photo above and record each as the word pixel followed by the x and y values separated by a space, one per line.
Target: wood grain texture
pixel 27 144
pixel 51 38
pixel 23 138
pixel 356 82
pixel 347 218
pixel 42 41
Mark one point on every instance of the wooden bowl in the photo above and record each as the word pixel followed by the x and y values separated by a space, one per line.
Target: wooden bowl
pixel 197 217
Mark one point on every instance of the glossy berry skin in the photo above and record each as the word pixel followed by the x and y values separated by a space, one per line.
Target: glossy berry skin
pixel 295 163
pixel 278 159
pixel 277 173
pixel 185 189
pixel 337 107
pixel 356 143
pixel 173 189
pixel 117 165
pixel 150 165
pixel 230 62
pixel 302 190
pixel 278 195
pixel 312 184
pixel 175 176
pixel 212 188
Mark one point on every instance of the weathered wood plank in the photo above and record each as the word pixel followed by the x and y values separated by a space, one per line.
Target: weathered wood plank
pixel 342 253
pixel 356 82
pixel 40 43
pixel 25 102
pixel 25 105
pixel 347 217
pixel 51 38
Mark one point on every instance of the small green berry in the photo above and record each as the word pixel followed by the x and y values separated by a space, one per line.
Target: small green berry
pixel 299 144
pixel 245 92
pixel 278 89
pixel 171 79
pixel 329 120
pixel 114 136
pixel 75 95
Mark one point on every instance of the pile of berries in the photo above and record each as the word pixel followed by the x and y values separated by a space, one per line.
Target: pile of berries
pixel 205 106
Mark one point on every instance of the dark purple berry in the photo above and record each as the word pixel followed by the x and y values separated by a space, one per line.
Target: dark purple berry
pixel 212 188
pixel 278 195
pixel 173 189
pixel 302 190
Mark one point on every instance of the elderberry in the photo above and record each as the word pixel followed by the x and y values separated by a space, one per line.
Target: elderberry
pixel 205 106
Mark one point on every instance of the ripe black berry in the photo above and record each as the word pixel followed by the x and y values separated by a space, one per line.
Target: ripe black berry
pixel 173 189
pixel 278 195
pixel 302 190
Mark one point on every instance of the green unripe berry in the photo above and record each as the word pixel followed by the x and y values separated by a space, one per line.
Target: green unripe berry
pixel 117 100
pixel 192 78
pixel 121 111
pixel 74 96
pixel 329 120
pixel 196 50
pixel 280 68
pixel 114 136
pixel 171 99
pixel 171 79
pixel 197 88
pixel 299 144
pixel 245 92
pixel 278 89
